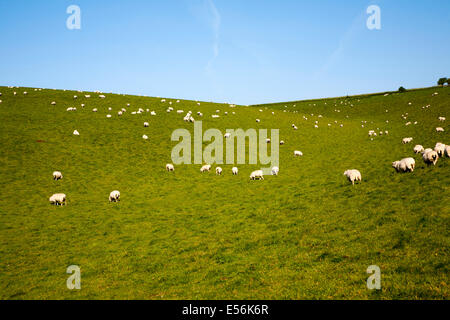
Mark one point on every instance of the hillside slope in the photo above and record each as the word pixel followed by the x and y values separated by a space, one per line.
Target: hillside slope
pixel 305 234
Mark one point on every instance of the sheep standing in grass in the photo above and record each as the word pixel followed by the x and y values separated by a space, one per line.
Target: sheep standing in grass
pixel 275 171
pixel 440 149
pixel 442 119
pixel 206 167
pixel 170 167
pixel 257 175
pixel 418 149
pixel 58 199
pixel 447 151
pixel 353 175
pixel 439 129
pixel 146 124
pixel 114 196
pixel 234 170
pixel 430 157
pixel 298 153
pixel 218 171
pixel 407 140
pixel 57 175
pixel 404 165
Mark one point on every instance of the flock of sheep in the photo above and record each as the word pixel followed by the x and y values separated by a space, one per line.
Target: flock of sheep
pixel 430 156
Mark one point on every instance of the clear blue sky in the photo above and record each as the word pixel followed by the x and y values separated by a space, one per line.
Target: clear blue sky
pixel 236 51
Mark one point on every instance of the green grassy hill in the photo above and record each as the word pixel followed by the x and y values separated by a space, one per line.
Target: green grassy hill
pixel 305 234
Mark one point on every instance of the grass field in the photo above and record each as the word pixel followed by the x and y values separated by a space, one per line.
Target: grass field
pixel 305 234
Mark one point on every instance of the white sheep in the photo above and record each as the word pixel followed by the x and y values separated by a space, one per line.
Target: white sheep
pixel 206 167
pixel 407 140
pixel 146 124
pixel 218 170
pixel 75 132
pixel 298 153
pixel 227 135
pixel 234 170
pixel 404 165
pixel 57 175
pixel 418 148
pixel 439 129
pixel 94 110
pixel 257 175
pixel 353 175
pixel 281 142
pixel 145 137
pixel 58 199
pixel 441 119
pixel 170 167
pixel 430 157
pixel 114 196
pixel 440 149
pixel 275 171
pixel 447 150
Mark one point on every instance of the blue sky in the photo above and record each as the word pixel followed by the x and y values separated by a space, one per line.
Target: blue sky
pixel 236 51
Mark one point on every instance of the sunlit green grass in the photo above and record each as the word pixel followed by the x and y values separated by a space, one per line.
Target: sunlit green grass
pixel 305 234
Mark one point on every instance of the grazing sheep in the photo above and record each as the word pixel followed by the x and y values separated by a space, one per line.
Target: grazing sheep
pixel 418 148
pixel 170 167
pixel 120 113
pixel 353 175
pixel 94 110
pixel 75 132
pixel 219 171
pixel 101 96
pixel 258 121
pixel 439 129
pixel 440 149
pixel 267 140
pixel 407 140
pixel 53 103
pixel 206 167
pixel 430 157
pixel 114 196
pixel 234 170
pixel 257 175
pixel 404 165
pixel 281 142
pixel 227 135
pixel 447 150
pixel 298 153
pixel 58 199
pixel 441 118
pixel 145 137
pixel 108 116
pixel 275 171
pixel 57 175
pixel 146 124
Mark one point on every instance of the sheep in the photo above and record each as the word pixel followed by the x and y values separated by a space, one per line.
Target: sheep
pixel 404 165
pixel 440 149
pixel 441 119
pixel 75 97
pixel 353 175
pixel 145 137
pixel 206 167
pixel 439 129
pixel 120 113
pixel 227 135
pixel 298 153
pixel 447 150
pixel 58 199
pixel 170 167
pixel 57 175
pixel 101 96
pixel 407 140
pixel 218 171
pixel 153 113
pixel 257 175
pixel 267 140
pixel 146 124
pixel 108 116
pixel 258 121
pixel 53 103
pixel 75 132
pixel 234 170
pixel 418 148
pixel 94 110
pixel 281 142
pixel 114 196
pixel 275 171
pixel 430 157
